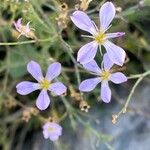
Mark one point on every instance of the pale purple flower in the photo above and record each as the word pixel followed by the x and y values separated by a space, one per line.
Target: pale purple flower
pixel 52 131
pixel 100 37
pixel 44 84
pixel 103 75
pixel 24 30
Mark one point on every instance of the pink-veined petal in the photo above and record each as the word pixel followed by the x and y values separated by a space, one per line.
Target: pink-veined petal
pixel 114 35
pixel 27 87
pixel 89 84
pixel 27 29
pixel 107 13
pixel 82 21
pixel 92 66
pixel 17 24
pixel 43 100
pixel 53 71
pixel 116 54
pixel 58 88
pixel 107 62
pixel 35 70
pixel 105 92
pixel 87 52
pixel 118 78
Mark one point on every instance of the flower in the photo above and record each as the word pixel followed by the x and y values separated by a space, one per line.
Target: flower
pixel 52 131
pixel 104 75
pixel 99 36
pixel 24 30
pixel 44 84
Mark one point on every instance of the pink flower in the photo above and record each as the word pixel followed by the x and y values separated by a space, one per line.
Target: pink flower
pixel 100 37
pixel 23 30
pixel 52 131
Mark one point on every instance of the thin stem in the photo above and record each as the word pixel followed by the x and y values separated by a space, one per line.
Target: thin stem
pixel 76 65
pixel 135 76
pixel 26 42
pixel 124 109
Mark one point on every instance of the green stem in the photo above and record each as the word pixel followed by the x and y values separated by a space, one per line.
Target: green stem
pixel 26 42
pixel 140 78
pixel 135 76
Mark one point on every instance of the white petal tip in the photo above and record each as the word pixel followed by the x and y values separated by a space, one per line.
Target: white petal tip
pixel 106 101
pixel 121 34
pixel 41 108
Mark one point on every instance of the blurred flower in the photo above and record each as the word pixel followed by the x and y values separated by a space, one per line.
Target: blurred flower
pixel 10 103
pixel 114 119
pixel 28 113
pixel 84 106
pixel 84 4
pixel 52 131
pixel 87 52
pixel 75 95
pixel 24 30
pixel 104 75
pixel 62 19
pixel 43 84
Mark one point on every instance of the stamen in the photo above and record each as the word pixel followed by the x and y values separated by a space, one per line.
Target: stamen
pixel 105 75
pixel 100 49
pixel 87 36
pixel 50 129
pixel 100 38
pixel 44 84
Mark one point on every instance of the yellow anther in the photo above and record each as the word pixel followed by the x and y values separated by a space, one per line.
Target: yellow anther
pixel 44 84
pixel 100 38
pixel 105 75
pixel 50 129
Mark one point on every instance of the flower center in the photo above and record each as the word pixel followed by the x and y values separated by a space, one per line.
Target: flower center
pixel 100 38
pixel 105 75
pixel 50 129
pixel 22 29
pixel 44 84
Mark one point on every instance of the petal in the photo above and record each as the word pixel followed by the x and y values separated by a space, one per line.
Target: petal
pixel 45 134
pixel 35 70
pixel 118 78
pixel 87 52
pixel 58 88
pixel 26 87
pixel 82 21
pixel 107 62
pixel 53 137
pixel 17 24
pixel 105 92
pixel 53 71
pixel 115 53
pixel 43 100
pixel 89 84
pixel 107 13
pixel 27 29
pixel 58 129
pixel 92 66
pixel 114 35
